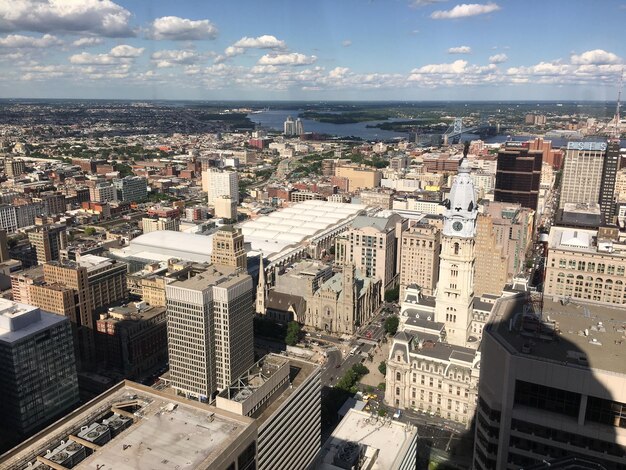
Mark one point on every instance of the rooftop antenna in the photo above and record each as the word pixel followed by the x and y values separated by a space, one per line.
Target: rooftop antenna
pixel 616 129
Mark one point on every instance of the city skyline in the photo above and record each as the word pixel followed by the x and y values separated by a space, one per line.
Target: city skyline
pixel 397 50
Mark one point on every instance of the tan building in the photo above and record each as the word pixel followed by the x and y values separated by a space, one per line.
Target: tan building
pixel 359 177
pixel 381 198
pixel 585 265
pixel 344 302
pixel 371 244
pixel 228 248
pixel 226 207
pixel 420 245
pixel 4 247
pixel 153 290
pixel 150 224
pixel 21 281
pixel 490 274
pixel 48 241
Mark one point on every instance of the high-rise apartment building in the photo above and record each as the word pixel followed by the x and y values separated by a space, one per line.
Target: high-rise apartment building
pixel 607 183
pixel 209 327
pixel 153 224
pixel 228 248
pixel 103 192
pixel 420 245
pixel 371 245
pixel 13 217
pixel 131 189
pixel 292 128
pixel 582 173
pixel 48 241
pixel 13 168
pixel 552 385
pixel 518 176
pixel 37 367
pixel 53 202
pixel 218 183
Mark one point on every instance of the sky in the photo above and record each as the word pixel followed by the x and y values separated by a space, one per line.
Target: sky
pixel 312 50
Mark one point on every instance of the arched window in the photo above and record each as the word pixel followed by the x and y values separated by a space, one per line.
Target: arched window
pixel 398 376
pixel 456 248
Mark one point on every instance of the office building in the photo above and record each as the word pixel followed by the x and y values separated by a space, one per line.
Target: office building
pixel 283 395
pixel 228 248
pixel 132 426
pixel 4 246
pixel 209 327
pixel 132 339
pixel 226 208
pixel 361 440
pixel 358 177
pixel 48 242
pixel 38 378
pixel 131 189
pixel 420 244
pixel 13 168
pixel 582 173
pixel 552 386
pixel 371 244
pixel 219 183
pixel 491 267
pixel 607 182
pixel 382 198
pixel 518 176
pixel 53 202
pixel 585 265
pixel 103 192
pixel 16 216
pixel 153 224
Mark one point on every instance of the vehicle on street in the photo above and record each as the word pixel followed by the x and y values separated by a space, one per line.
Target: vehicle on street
pixel 397 414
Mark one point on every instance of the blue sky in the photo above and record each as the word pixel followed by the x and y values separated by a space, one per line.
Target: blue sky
pixel 313 50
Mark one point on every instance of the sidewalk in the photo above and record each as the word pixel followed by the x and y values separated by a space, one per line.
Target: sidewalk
pixel 375 377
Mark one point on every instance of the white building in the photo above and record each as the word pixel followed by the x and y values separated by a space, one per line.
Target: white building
pixel 103 192
pixel 209 329
pixel 218 183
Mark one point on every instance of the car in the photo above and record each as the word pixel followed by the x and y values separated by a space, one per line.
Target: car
pixel 318 335
pixel 308 334
pixel 337 366
pixel 397 414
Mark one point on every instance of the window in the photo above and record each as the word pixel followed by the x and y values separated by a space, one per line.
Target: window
pixel 456 248
pixel 397 391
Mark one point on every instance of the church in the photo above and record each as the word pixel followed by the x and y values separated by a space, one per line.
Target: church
pixel 433 363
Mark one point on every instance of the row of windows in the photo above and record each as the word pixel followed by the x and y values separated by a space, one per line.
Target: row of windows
pixel 590 266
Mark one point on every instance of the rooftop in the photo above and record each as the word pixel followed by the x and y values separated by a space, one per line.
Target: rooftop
pixel 168 432
pixel 583 241
pixel 225 276
pixel 392 440
pixel 19 321
pixel 577 334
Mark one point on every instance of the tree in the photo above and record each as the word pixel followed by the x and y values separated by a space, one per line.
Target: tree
pixel 382 412
pixel 293 333
pixel 90 231
pixel 391 324
pixel 382 368
pixel 392 295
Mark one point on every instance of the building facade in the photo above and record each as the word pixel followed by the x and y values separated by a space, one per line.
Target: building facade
pixel 151 224
pixel 518 176
pixel 228 248
pixel 491 273
pixel 582 172
pixel 420 245
pixel 131 189
pixel 218 183
pixel 48 241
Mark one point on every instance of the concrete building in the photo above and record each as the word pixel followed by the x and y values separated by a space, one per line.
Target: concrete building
pixel 370 442
pixel 283 395
pixel 585 265
pixel 518 175
pixel 552 385
pixel 13 168
pixel 372 245
pixel 420 244
pixel 226 208
pixel 359 177
pixel 4 247
pixel 132 339
pixel 38 378
pixel 228 248
pixel 48 242
pixel 607 183
pixel 491 267
pixel 53 202
pixel 582 172
pixel 382 198
pixel 103 192
pixel 131 426
pixel 219 183
pixel 14 217
pixel 153 224
pixel 209 327
pixel 131 189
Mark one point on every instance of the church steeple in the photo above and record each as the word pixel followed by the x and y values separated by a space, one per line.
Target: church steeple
pixel 261 289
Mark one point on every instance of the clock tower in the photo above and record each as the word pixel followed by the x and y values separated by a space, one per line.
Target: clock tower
pixel 455 289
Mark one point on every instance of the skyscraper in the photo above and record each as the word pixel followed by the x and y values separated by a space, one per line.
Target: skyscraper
pixel 518 175
pixel 228 248
pixel 607 182
pixel 582 173
pixel 209 328
pixel 48 241
pixel 419 257
pixel 220 183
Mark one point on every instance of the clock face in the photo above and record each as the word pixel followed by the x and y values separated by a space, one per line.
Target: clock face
pixel 457 226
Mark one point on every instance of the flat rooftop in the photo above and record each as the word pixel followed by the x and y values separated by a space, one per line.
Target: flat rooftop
pixel 391 438
pixel 20 321
pixel 224 276
pixel 570 330
pixel 168 432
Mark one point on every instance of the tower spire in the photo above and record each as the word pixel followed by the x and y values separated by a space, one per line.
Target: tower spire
pixel 616 129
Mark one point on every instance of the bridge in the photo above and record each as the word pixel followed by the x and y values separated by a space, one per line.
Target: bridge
pixel 456 130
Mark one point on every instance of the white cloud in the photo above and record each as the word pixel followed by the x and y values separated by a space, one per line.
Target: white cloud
pixel 18 41
pixel 465 10
pixel 102 17
pixel 180 29
pixel 498 58
pixel 596 56
pixel 170 58
pixel 346 43
pixel 264 69
pixel 456 67
pixel 87 42
pixel 262 42
pixel 338 72
pixel 424 3
pixel 460 50
pixel 293 58
pixel 127 51
pixel 85 58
